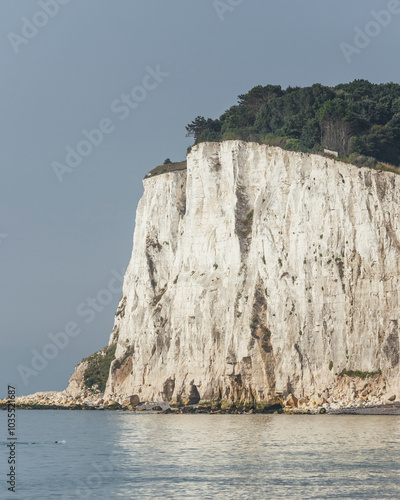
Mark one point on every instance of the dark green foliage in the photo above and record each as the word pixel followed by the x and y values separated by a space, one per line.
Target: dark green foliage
pixel 200 125
pixel 167 162
pixel 359 118
pixel 96 373
pixel 359 373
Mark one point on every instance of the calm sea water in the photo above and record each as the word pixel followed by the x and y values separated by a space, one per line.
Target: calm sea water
pixel 125 455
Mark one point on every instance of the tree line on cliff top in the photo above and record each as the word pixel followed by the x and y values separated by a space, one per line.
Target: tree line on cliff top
pixel 359 120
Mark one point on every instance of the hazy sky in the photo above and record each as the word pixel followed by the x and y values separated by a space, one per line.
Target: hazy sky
pixel 68 71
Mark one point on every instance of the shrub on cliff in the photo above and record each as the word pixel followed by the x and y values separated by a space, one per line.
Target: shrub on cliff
pixel 96 373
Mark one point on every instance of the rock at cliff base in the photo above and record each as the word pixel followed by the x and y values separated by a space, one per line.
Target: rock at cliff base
pixel 134 400
pixel 292 401
pixel 194 396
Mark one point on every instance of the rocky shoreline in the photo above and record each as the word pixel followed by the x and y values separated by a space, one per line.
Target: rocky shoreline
pixel 352 403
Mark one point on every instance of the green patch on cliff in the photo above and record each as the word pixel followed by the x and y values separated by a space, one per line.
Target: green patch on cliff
pixel 96 373
pixel 168 167
pixel 359 373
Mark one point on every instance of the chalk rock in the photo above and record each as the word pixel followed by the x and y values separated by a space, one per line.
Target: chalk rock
pixel 251 271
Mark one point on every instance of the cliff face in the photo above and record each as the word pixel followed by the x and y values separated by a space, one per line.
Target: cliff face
pixel 259 272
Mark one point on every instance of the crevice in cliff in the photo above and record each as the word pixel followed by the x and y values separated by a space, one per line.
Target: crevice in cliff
pixel 262 334
pixel 158 297
pixel 153 248
pixel 391 347
pixel 168 389
pixel 244 214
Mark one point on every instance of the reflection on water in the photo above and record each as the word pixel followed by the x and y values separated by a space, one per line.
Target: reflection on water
pixel 127 455
pixel 263 456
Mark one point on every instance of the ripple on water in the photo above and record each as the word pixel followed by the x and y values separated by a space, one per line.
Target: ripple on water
pixel 124 455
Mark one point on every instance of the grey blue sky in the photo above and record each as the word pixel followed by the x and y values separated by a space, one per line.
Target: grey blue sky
pixel 62 242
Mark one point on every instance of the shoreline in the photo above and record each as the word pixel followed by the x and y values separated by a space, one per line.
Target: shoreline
pixel 162 407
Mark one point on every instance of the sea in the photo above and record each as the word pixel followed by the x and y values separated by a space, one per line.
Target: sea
pixel 127 455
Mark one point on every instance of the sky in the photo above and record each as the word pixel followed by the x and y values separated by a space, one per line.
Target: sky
pixel 96 93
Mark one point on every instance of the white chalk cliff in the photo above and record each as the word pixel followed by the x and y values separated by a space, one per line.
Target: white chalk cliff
pixel 256 272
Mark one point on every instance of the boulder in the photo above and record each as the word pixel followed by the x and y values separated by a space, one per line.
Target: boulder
pixel 134 400
pixel 193 398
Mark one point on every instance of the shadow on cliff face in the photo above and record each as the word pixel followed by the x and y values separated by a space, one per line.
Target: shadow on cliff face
pixel 243 218
pixel 189 395
pixel 391 346
pixel 261 334
pixel 168 388
pixel 239 382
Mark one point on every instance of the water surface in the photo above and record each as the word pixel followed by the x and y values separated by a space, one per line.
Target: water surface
pixel 127 455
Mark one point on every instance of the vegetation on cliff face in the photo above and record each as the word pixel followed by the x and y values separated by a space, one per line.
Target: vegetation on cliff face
pixel 96 373
pixel 359 120
pixel 359 373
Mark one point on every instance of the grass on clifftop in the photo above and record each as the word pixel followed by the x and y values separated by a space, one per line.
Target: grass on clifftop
pixel 96 373
pixel 169 167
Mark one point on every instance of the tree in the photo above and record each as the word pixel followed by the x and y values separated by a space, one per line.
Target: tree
pixel 197 126
pixel 167 161
pixel 358 117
